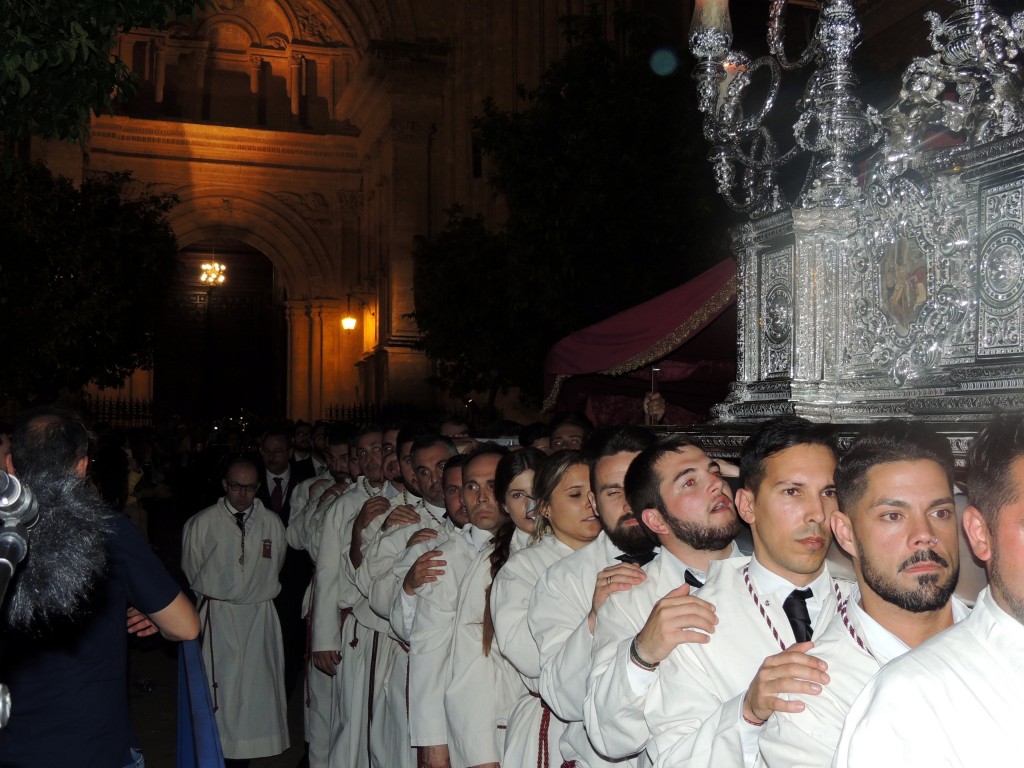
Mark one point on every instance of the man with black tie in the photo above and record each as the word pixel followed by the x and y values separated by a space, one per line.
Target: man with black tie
pixel 766 608
pixel 278 478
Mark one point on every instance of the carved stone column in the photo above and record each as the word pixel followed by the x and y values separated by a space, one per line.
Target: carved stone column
pixel 294 73
pixel 255 65
pixel 298 317
pixel 160 79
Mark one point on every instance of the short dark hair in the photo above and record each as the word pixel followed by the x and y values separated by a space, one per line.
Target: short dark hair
pixel 369 429
pixel 572 418
pixel 277 430
pixel 428 440
pixel 614 439
pixel 776 436
pixel 49 440
pixel 484 449
pixel 882 443
pixel 339 434
pixel 642 484
pixel 458 461
pixel 531 433
pixel 408 434
pixel 990 483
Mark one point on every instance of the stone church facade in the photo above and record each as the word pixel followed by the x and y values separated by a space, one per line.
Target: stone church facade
pixel 324 135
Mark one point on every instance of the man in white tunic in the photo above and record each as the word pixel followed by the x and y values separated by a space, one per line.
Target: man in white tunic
pixel 232 555
pixel 694 529
pixel 334 595
pixel 955 700
pixel 303 527
pixel 710 698
pixel 434 626
pixel 389 728
pixel 897 519
pixel 564 606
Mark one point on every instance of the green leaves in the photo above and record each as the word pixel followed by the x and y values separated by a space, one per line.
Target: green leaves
pixel 83 278
pixel 57 64
pixel 608 205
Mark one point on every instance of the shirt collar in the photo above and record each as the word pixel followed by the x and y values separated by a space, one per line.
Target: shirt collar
pixel 476 537
pixel 284 477
pixel 677 568
pixel 770 584
pixel 882 643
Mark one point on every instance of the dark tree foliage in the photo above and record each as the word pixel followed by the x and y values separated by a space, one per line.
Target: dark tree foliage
pixel 610 202
pixel 56 65
pixel 83 277
pixel 461 289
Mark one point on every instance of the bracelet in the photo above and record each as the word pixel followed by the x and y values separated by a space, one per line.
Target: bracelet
pixel 754 723
pixel 635 657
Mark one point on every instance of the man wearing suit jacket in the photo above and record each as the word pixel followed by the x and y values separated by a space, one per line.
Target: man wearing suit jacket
pixel 278 478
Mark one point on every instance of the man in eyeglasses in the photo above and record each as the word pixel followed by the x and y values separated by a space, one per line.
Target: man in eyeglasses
pixel 232 554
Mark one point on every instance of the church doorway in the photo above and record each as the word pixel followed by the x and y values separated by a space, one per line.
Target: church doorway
pixel 221 348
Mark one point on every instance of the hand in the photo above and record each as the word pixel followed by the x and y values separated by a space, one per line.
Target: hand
pixel 140 625
pixel 654 406
pixel 400 516
pixel 674 620
pixel 727 468
pixel 327 661
pixel 426 570
pixel 791 671
pixel 434 757
pixel 372 508
pixel 315 487
pixel 614 578
pixel 423 534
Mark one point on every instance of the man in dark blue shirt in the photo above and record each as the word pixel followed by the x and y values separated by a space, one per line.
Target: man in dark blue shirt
pixel 67 673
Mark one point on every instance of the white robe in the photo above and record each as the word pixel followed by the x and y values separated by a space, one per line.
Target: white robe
pixel 613 713
pixel 241 636
pixel 558 614
pixel 510 602
pixel 808 739
pixel 953 701
pixel 480 689
pixel 320 713
pixel 430 642
pixel 704 725
pixel 357 673
pixel 389 719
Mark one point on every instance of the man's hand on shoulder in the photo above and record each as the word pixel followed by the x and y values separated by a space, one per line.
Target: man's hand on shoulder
pixel 675 619
pixel 792 671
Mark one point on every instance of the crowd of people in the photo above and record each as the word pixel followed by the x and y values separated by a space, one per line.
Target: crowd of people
pixel 588 597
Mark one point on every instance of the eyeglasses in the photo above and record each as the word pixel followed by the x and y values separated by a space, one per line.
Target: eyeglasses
pixel 247 488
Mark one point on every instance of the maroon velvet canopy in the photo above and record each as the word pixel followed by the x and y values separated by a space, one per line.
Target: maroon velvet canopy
pixel 689 333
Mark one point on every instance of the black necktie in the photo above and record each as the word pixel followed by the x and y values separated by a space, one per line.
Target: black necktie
pixel 638 558
pixel 240 519
pixel 693 581
pixel 795 607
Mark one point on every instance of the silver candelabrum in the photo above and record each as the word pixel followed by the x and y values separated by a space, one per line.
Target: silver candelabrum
pixel 969 87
